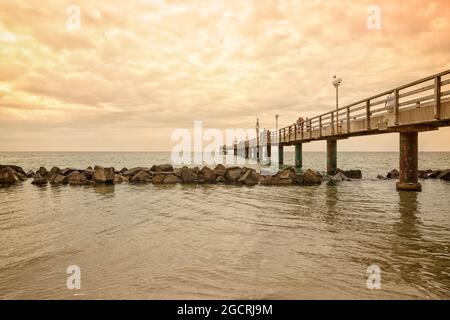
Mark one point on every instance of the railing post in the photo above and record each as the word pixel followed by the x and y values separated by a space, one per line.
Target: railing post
pixel 320 125
pixel 302 128
pixel 310 129
pixel 295 128
pixel 348 119
pixel 396 108
pixel 437 98
pixel 368 114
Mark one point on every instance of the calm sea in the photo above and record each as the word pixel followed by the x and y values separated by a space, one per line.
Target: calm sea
pixel 218 241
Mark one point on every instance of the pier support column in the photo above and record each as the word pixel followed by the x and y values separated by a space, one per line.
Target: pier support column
pixel 235 149
pixel 298 156
pixel 409 152
pixel 331 156
pixel 280 155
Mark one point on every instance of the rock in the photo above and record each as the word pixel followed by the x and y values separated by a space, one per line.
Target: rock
pixel 39 179
pixel 30 174
pixel 21 176
pixel 207 175
pixel 380 177
pixel 42 171
pixel 339 177
pixel 77 179
pixel 55 170
pixel 133 171
pixel 158 178
pixel 67 171
pixel 8 176
pixel 232 174
pixel 394 174
pixel 220 170
pixel 311 178
pixel 289 174
pixel 220 179
pixel 58 179
pixel 171 178
pixel 270 180
pixel 434 174
pixel 124 169
pixel 118 178
pixel 140 177
pixel 250 178
pixel 17 169
pixel 445 175
pixel 89 173
pixel 353 174
pixel 103 175
pixel 188 175
pixel 162 168
pixel 423 174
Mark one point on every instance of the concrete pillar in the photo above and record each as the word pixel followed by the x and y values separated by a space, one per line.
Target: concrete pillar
pixel 235 149
pixel 280 154
pixel 246 151
pixel 409 152
pixel 298 156
pixel 331 156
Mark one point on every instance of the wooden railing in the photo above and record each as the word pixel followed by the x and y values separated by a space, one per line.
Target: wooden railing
pixel 428 90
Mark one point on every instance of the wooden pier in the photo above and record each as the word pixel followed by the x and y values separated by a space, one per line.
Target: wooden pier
pixel 418 106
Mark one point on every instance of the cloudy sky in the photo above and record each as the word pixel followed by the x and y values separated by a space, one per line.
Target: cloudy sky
pixel 136 70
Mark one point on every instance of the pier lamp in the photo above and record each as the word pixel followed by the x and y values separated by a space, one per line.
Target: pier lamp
pixel 336 83
pixel 276 121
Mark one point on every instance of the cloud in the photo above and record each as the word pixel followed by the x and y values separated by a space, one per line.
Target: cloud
pixel 141 68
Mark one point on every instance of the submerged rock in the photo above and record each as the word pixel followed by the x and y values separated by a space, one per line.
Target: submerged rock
pixel 339 177
pixel 158 178
pixel 434 174
pixel 118 178
pixel 42 171
pixel 133 171
pixel 58 179
pixel 17 169
pixel 30 174
pixel 353 174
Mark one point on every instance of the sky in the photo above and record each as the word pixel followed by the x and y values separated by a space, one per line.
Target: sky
pixel 126 74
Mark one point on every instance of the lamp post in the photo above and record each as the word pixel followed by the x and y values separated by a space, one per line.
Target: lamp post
pixel 336 82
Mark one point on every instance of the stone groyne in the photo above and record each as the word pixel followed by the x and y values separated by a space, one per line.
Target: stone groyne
pixel 167 174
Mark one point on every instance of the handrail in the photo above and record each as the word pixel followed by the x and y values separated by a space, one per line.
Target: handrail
pixel 345 111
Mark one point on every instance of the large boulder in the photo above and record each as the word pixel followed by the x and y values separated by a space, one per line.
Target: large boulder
pixel 119 178
pixel 43 172
pixel 434 174
pixel 445 175
pixel 133 171
pixel 89 173
pixel 287 176
pixel 8 176
pixel 17 169
pixel 103 175
pixel 67 171
pixel 220 170
pixel 171 178
pixel 339 177
pixel 207 175
pixel 58 179
pixel 393 174
pixel 233 174
pixel 353 174
pixel 311 178
pixel 158 178
pixel 55 170
pixel 77 179
pixel 188 175
pixel 166 167
pixel 141 177
pixel 39 179
pixel 250 178
pixel 30 174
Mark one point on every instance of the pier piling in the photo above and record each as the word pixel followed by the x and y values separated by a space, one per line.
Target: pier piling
pixel 331 156
pixel 298 156
pixel 408 179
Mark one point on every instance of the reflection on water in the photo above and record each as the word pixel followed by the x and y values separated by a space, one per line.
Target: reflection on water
pixel 216 241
